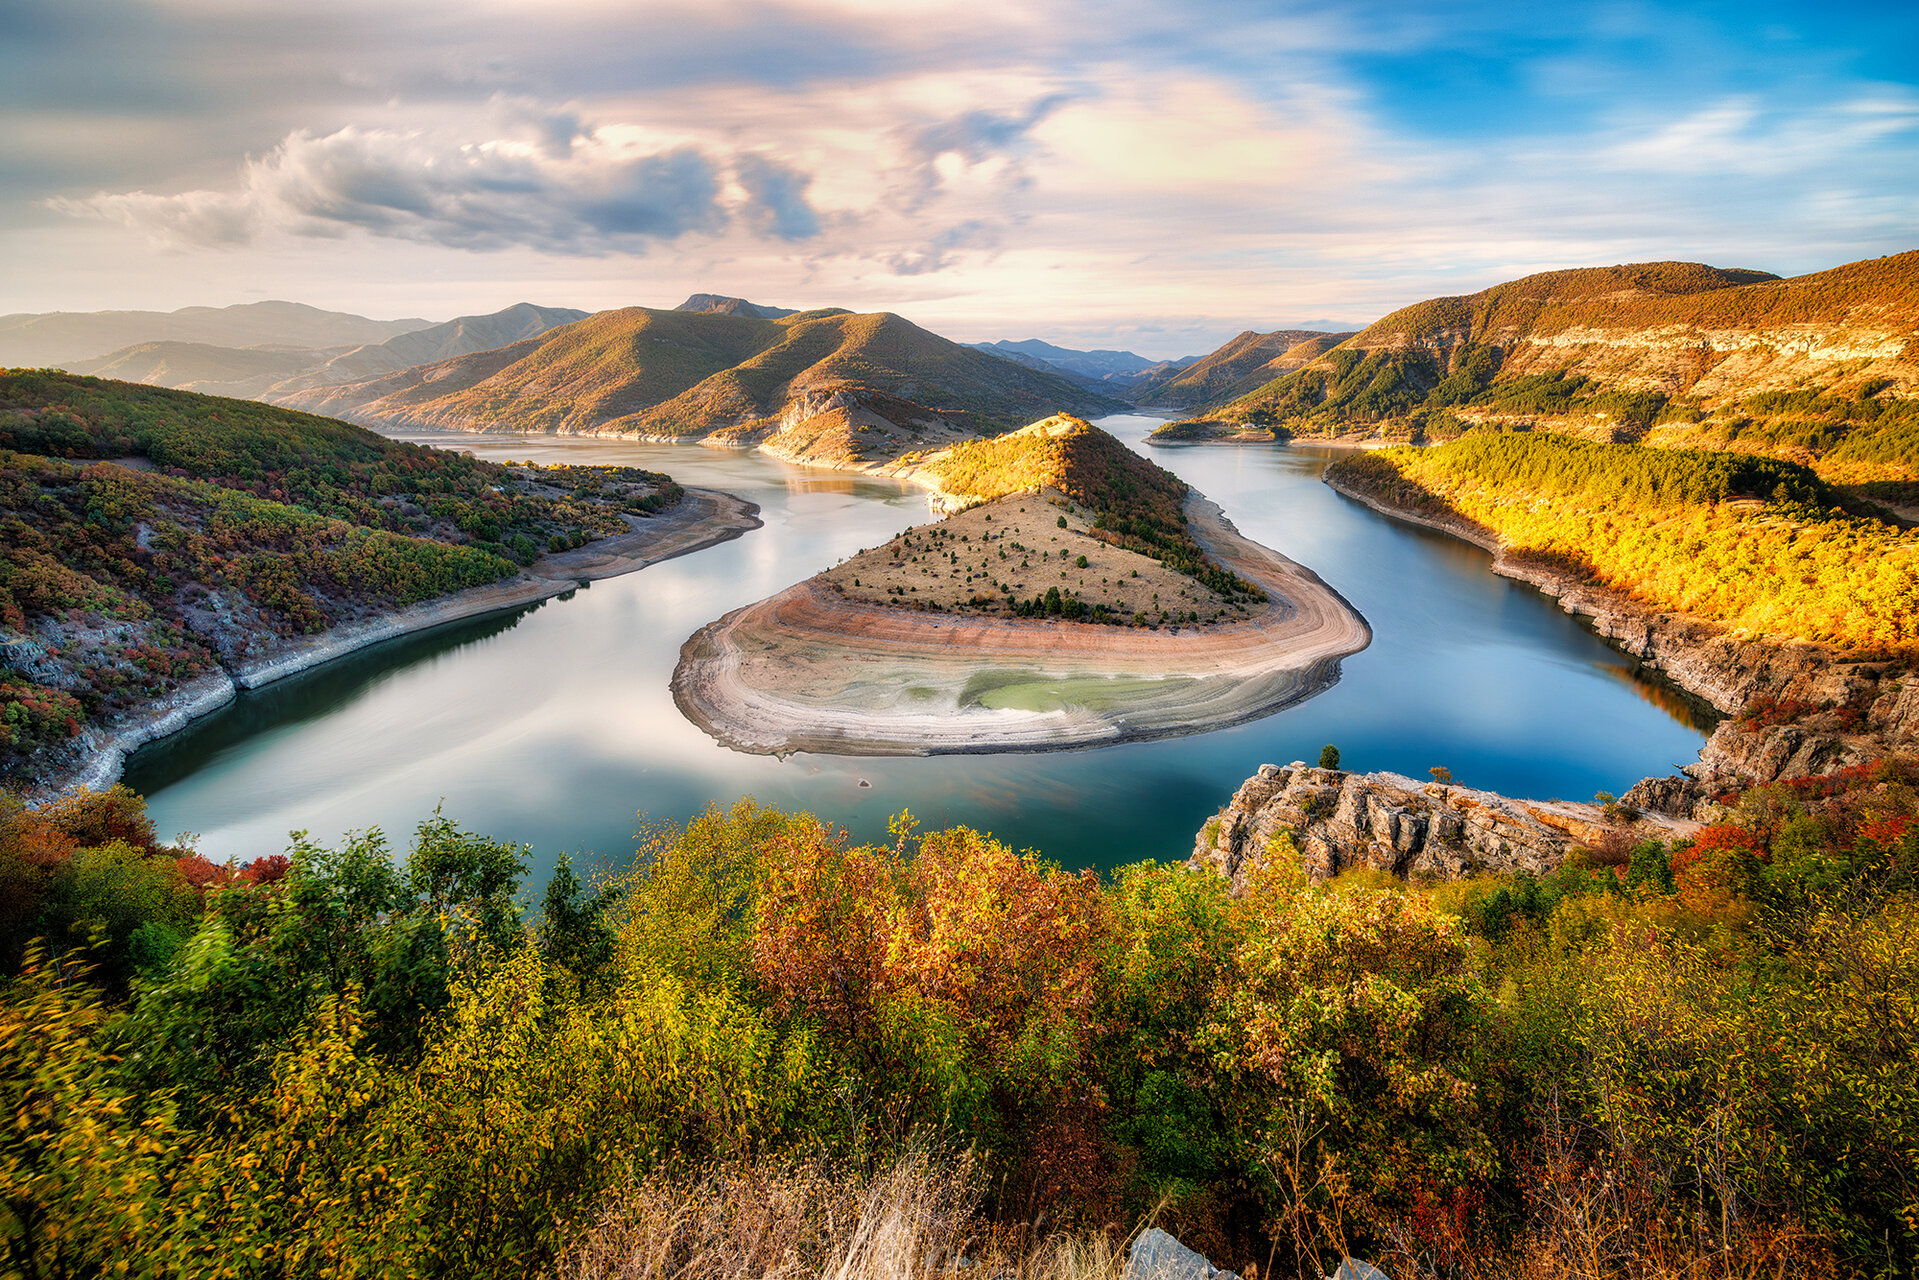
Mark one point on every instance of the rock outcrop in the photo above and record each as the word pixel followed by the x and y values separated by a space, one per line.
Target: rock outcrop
pixel 1341 821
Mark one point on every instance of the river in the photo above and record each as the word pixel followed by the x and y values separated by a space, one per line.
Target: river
pixel 554 727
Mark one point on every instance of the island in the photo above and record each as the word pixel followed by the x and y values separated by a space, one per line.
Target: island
pixel 1078 595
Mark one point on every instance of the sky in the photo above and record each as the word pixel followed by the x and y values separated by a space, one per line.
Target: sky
pixel 1155 175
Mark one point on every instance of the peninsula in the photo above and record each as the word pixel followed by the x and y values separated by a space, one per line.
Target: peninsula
pixel 1078 596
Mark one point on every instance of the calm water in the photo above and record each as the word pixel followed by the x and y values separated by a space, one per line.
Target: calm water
pixel 554 727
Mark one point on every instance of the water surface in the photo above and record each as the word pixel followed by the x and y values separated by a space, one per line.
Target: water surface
pixel 555 726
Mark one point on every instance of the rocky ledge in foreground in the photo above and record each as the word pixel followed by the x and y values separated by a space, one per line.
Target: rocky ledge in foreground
pixel 1343 821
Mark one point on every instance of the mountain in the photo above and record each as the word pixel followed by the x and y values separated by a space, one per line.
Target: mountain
pixel 718 304
pixel 461 336
pixel 241 372
pixel 1248 362
pixel 274 373
pixel 1095 366
pixel 1822 368
pixel 62 337
pixel 820 385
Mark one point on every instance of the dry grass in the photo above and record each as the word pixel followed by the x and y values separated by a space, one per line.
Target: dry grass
pixel 918 1217
pixel 1014 544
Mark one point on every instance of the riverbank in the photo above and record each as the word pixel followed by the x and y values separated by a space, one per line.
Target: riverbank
pixel 1725 669
pixel 810 670
pixel 703 518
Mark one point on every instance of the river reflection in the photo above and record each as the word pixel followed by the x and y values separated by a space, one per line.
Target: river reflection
pixel 554 727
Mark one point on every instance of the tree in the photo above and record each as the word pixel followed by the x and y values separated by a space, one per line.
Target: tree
pixel 1329 756
pixel 573 927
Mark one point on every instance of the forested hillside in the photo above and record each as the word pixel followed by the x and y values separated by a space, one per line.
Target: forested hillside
pixel 151 534
pixel 1820 368
pixel 1754 543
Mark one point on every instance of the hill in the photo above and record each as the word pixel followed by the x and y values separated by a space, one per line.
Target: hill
pixel 149 536
pixel 1823 368
pixel 274 373
pixel 825 386
pixel 1759 545
pixel 64 337
pixel 721 305
pixel 1248 362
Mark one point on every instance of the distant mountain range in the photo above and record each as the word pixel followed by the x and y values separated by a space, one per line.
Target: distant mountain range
pixel 59 338
pixel 1249 361
pixel 1117 370
pixel 273 373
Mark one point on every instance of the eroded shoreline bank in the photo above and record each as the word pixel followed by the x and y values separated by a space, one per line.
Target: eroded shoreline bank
pixel 703 518
pixel 807 670
pixel 1725 669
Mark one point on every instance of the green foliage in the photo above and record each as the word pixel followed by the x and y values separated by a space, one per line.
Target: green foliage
pixel 1329 756
pixel 364 1068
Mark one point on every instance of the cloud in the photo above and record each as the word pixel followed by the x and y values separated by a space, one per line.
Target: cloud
pixel 973 137
pixel 942 250
pixel 777 197
pixel 560 188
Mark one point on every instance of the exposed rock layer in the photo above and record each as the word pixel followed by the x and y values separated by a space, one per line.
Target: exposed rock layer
pixel 1340 821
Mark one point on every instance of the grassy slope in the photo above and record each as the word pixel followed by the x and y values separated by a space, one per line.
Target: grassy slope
pixel 1137 504
pixel 1440 366
pixel 687 373
pixel 1244 364
pixel 117 584
pixel 1752 543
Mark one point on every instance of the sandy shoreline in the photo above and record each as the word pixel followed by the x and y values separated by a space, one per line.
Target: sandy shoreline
pixel 807 670
pixel 703 518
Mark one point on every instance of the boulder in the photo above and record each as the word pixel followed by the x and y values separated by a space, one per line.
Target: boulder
pixel 1158 1256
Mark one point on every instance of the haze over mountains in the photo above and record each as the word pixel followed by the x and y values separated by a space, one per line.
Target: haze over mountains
pixel 272 373
pixel 60 337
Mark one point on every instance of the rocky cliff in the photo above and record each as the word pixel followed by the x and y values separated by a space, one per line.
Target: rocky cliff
pixel 1342 821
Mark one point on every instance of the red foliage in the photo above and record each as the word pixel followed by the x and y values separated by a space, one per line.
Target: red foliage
pixel 271 869
pixel 1712 840
pixel 204 875
pixel 1763 712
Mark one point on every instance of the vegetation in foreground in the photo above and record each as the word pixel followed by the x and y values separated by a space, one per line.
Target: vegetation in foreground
pixel 1750 542
pixel 1696 1060
pixel 148 535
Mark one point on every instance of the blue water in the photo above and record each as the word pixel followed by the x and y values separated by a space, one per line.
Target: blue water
pixel 556 728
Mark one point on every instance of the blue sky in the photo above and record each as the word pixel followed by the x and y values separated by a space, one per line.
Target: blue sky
pixel 1112 172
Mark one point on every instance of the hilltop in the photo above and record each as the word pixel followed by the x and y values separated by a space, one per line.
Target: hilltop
pixel 1823 368
pixel 1244 364
pixel 825 386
